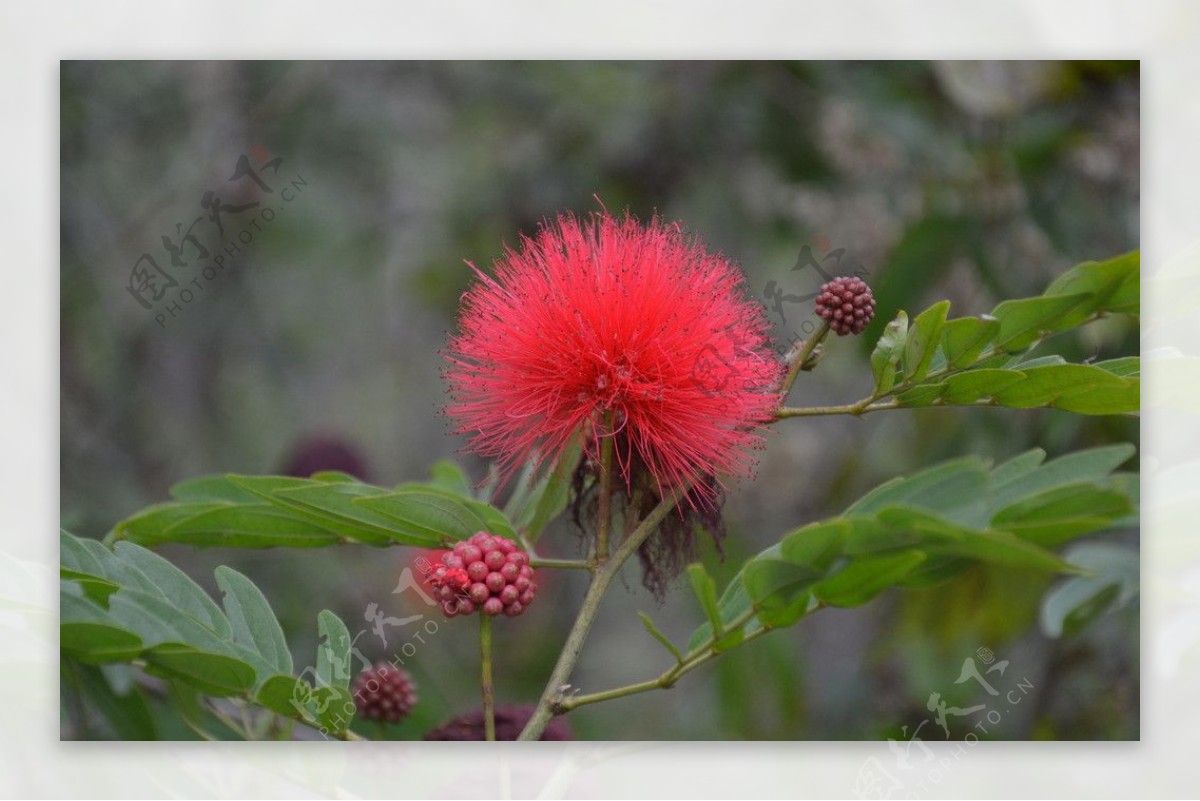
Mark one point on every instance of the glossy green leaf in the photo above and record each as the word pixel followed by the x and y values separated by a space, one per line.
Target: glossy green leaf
pixel 921 395
pixel 965 338
pixel 888 352
pixel 1113 285
pixel 976 385
pixel 923 340
pixel 327 709
pixel 1073 387
pixel 1024 321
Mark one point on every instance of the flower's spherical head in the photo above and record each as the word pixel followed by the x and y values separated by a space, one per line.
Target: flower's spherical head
pixel 610 327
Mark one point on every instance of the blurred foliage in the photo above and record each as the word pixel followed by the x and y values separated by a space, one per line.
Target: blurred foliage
pixel 972 182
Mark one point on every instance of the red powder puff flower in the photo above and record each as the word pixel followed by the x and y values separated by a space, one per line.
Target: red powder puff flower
pixel 617 329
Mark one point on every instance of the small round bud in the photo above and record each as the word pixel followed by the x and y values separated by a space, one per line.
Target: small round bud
pixel 484 573
pixel 385 693
pixel 848 305
pixel 493 607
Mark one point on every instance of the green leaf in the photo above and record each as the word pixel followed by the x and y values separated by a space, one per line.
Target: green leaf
pixel 924 253
pixel 927 528
pixel 964 339
pixel 1079 501
pixel 125 711
pixel 326 506
pixel 156 614
pixel 921 395
pixel 1080 388
pixel 733 604
pixel 705 590
pixel 147 527
pixel 86 633
pixel 334 477
pixel 333 506
pixel 451 477
pixel 1114 285
pixel 254 625
pixel 888 352
pixel 956 490
pixel 549 496
pixel 493 520
pixel 864 578
pixel 923 340
pixel 975 385
pixel 658 635
pixel 1124 366
pixel 213 673
pixel 248 526
pixel 1021 465
pixel 1111 579
pixel 333 651
pixel 327 709
pixel 779 589
pixel 174 584
pixel 1023 322
pixel 1095 464
pixel 816 545
pixel 211 489
pixel 426 516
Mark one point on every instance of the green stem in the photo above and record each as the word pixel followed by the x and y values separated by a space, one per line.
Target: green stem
pixel 667 679
pixel 551 699
pixel 784 412
pixel 485 683
pixel 871 402
pixel 566 564
pixel 801 356
pixel 604 522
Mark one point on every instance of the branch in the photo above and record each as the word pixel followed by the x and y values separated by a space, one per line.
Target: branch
pixel 667 679
pixel 601 579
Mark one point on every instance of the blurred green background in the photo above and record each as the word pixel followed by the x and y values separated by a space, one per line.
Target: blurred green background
pixel 972 181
